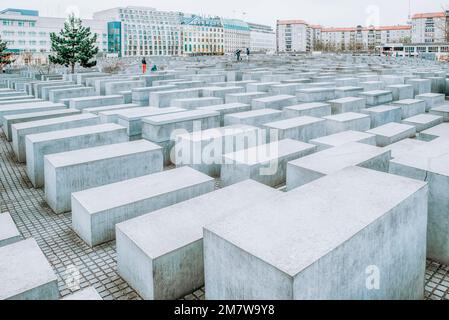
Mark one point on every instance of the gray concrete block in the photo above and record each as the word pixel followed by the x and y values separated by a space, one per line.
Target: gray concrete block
pixel 432 99
pixel 347 91
pixel 300 128
pixel 420 86
pixel 442 111
pixel 349 104
pixel 423 121
pixel 8 230
pixel 347 121
pixel 193 103
pixel 411 107
pixel 95 101
pixel 162 99
pixel 94 220
pixel 441 130
pixel 245 97
pixel 72 171
pixel 392 132
pixel 273 102
pixel 341 138
pixel 227 108
pixel 377 97
pixel 313 109
pixel 315 94
pixel 384 114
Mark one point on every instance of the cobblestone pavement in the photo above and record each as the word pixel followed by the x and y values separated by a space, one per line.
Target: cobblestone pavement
pixel 97 267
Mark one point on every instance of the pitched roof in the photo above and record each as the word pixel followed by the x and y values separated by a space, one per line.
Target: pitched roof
pixel 282 22
pixel 429 15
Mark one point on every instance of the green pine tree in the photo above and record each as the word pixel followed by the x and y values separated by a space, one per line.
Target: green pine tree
pixel 5 56
pixel 74 44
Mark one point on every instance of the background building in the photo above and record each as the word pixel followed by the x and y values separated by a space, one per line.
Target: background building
pixel 236 35
pixel 429 27
pixel 262 38
pixel 143 31
pixel 292 36
pixel 202 35
pixel 26 31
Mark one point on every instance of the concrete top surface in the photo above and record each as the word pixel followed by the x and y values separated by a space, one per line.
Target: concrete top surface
pixel 432 157
pixel 430 95
pixel 31 124
pixel 254 113
pixel 140 112
pixel 331 160
pixel 293 122
pixel 346 100
pixel 73 132
pixel 214 133
pixel 8 228
pixel 266 152
pixel 390 129
pixel 306 106
pixel 275 98
pixel 111 107
pixel 295 230
pixel 423 118
pixel 346 116
pixel 408 101
pixel 341 138
pixel 101 152
pixel 198 99
pixel 348 88
pixel 442 108
pixel 315 89
pixel 403 146
pixel 154 88
pixel 174 227
pixel 375 93
pixel 247 94
pixel 379 109
pixel 96 97
pixel 179 116
pixel 221 88
pixel 441 130
pixel 418 80
pixel 37 104
pixel 226 106
pixel 41 113
pixel 176 91
pixel 23 267
pixel 128 191
pixel 399 86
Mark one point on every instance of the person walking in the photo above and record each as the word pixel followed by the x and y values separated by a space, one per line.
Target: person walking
pixel 247 53
pixel 144 65
pixel 237 53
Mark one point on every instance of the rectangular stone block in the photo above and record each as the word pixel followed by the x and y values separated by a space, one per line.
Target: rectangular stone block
pixel 45 91
pixel 423 121
pixel 220 92
pixel 19 108
pixel 371 85
pixel 26 273
pixel 315 94
pixel 21 130
pixel 203 150
pixel 245 97
pixel 403 147
pixel 264 163
pixel 94 220
pixel 442 111
pixel 95 101
pixel 122 85
pixel 347 91
pixel 160 254
pixel 430 163
pixel 260 86
pixel 392 132
pixel 347 121
pixel 341 138
pixel 381 115
pixel 377 97
pixel 9 120
pixel 411 107
pixel 57 95
pixel 116 107
pixel 77 170
pixel 432 99
pixel 300 256
pixel 8 230
pixel 29 99
pixel 420 86
pixel 441 130
pixel 313 109
pixel 193 103
pixel 285 88
pixel 273 102
pixel 162 99
pixel 301 128
pixel 131 119
pixel 349 104
pixel 40 144
pixel 227 108
pixel 141 96
pixel 320 164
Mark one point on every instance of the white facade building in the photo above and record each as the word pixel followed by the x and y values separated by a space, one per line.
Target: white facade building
pixel 262 38
pixel 26 31
pixel 429 27
pixel 292 36
pixel 236 35
pixel 202 35
pixel 141 31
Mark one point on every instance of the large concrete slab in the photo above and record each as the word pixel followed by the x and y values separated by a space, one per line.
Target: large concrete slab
pixel 95 101
pixel 322 243
pixel 8 230
pixel 254 117
pixel 341 138
pixel 411 107
pixel 273 102
pixel 40 144
pixel 19 108
pixel 77 170
pixel 227 108
pixel 392 132
pixel 423 121
pixel 384 114
pixel 302 128
pixel 94 220
pixel 320 164
pixel 26 273
pixel 347 121
pixel 160 254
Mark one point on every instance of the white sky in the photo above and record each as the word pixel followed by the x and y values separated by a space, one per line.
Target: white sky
pixel 339 13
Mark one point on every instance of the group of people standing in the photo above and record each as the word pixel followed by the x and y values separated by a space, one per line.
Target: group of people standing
pixel 238 54
pixel 144 66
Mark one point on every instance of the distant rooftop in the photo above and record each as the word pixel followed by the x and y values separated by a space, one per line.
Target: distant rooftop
pixel 22 12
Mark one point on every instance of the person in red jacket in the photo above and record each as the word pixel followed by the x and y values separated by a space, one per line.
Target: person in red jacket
pixel 144 65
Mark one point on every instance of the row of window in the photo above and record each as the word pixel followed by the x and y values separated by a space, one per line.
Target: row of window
pixel 19 23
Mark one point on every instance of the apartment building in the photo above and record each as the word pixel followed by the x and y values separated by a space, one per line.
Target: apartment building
pixel 141 31
pixel 26 31
pixel 262 38
pixel 202 35
pixel 236 35
pixel 430 27
pixel 292 36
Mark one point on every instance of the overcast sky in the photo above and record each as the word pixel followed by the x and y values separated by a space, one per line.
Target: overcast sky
pixel 326 12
